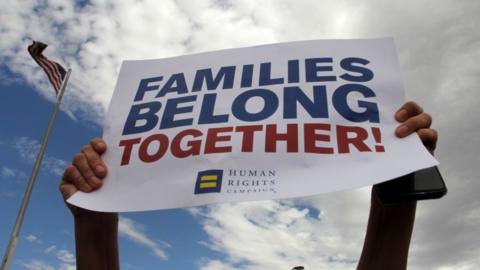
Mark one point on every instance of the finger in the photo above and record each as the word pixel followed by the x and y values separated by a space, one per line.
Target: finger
pixel 408 110
pixel 74 177
pixel 99 145
pixel 67 189
pixel 94 161
pixel 80 162
pixel 413 124
pixel 429 137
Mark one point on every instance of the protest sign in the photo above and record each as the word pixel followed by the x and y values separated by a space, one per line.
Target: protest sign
pixel 273 121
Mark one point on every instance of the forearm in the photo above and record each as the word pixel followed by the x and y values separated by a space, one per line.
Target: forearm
pixel 388 235
pixel 96 241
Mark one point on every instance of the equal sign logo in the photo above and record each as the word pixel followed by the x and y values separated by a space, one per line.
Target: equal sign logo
pixel 209 181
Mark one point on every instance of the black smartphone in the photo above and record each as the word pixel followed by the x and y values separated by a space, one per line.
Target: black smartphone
pixel 420 185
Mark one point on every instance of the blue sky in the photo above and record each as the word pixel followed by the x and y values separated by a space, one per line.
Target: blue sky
pixel 48 223
pixel 438 45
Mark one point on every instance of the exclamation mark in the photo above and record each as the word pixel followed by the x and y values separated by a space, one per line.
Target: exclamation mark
pixel 378 139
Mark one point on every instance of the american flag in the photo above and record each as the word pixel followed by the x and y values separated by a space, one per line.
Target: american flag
pixel 54 70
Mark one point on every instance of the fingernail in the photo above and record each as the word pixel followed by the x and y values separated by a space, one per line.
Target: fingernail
pixel 87 187
pixel 401 115
pixel 100 169
pixel 96 181
pixel 402 130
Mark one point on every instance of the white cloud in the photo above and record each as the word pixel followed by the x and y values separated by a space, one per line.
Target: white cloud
pixel 50 249
pixel 36 265
pixel 95 38
pixel 65 256
pixel 12 174
pixel 67 260
pixel 135 232
pixel 438 44
pixel 216 265
pixel 64 266
pixel 283 234
pixel 7 172
pixel 28 149
pixel 33 239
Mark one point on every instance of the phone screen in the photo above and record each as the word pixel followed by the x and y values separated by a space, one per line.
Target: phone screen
pixel 421 185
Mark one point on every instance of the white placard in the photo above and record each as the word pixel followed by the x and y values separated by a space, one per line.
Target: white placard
pixel 274 121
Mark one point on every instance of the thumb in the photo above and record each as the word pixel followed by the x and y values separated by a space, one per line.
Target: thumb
pixel 67 190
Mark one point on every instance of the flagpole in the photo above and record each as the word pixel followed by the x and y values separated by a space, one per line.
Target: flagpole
pixel 36 168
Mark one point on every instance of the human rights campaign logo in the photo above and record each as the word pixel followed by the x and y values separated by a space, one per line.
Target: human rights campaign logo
pixel 209 181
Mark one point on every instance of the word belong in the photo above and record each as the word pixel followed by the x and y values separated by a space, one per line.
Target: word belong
pixel 163 113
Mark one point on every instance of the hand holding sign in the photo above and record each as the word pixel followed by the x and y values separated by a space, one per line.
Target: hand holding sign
pixel 86 171
pixel 88 168
pixel 90 225
pixel 413 119
pixel 265 122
